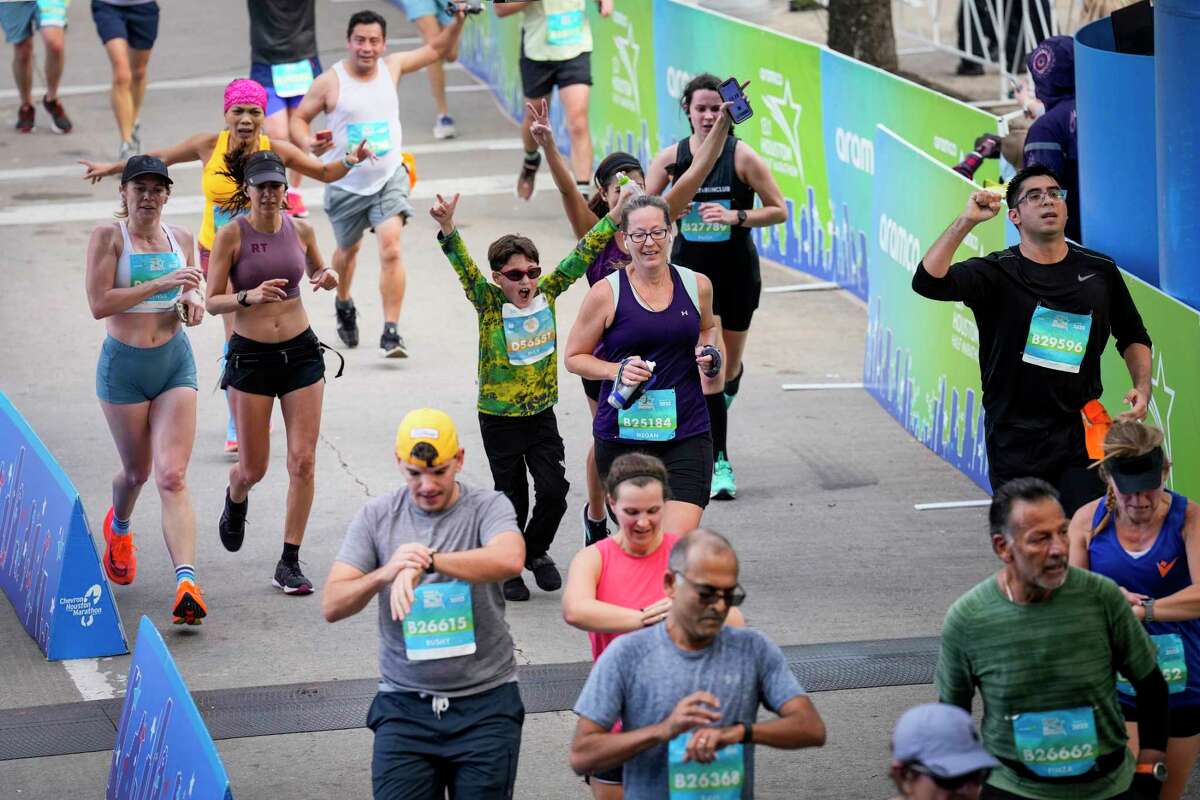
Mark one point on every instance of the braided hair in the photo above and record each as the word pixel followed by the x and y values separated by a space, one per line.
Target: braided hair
pixel 1125 439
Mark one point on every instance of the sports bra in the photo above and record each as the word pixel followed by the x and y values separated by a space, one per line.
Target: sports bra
pixel 135 268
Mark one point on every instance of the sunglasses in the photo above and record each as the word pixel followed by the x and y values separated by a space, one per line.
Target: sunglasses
pixel 978 777
pixel 709 595
pixel 516 275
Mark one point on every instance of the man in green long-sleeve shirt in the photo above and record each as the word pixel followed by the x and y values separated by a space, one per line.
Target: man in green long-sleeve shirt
pixel 518 376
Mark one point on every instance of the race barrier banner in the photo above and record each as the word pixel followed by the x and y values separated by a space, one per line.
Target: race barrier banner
pixel 921 360
pixel 163 748
pixel 48 564
pixel 814 122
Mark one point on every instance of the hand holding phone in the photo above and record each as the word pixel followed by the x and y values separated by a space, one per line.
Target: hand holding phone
pixel 731 92
pixel 324 136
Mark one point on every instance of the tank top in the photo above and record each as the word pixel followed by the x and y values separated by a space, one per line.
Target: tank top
pixel 611 259
pixel 366 110
pixel 629 581
pixel 282 30
pixel 1161 571
pixel 134 268
pixel 705 247
pixel 668 338
pixel 264 256
pixel 218 188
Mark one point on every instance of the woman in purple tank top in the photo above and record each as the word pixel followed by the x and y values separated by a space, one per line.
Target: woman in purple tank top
pixel 655 322
pixel 273 351
pixel 583 214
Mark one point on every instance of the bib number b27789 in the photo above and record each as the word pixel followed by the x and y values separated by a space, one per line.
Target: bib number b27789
pixel 693 227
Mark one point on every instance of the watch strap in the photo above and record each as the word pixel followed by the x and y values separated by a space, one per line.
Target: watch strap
pixel 1148 607
pixel 431 569
pixel 747 732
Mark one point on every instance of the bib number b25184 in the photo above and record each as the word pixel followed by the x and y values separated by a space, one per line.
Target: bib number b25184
pixel 652 418
pixel 690 780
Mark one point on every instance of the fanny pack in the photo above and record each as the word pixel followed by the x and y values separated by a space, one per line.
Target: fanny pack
pixel 298 354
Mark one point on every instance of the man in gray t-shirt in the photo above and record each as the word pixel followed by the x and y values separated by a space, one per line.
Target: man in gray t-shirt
pixel 687 691
pixel 436 552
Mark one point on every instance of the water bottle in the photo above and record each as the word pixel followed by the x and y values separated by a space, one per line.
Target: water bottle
pixel 623 179
pixel 621 391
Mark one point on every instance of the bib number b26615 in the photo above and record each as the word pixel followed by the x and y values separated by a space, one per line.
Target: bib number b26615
pixel 441 623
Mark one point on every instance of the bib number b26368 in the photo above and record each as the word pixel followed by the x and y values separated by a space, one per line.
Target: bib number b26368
pixel 1057 340
pixel 1057 744
pixel 441 623
pixel 690 780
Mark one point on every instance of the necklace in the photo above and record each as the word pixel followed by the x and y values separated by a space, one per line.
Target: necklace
pixel 1007 591
pixel 643 300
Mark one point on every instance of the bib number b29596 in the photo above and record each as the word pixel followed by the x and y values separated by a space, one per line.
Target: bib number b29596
pixel 1057 340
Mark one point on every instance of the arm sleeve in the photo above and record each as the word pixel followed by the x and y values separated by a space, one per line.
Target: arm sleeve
pixel 358 548
pixel 601 698
pixel 497 517
pixel 966 281
pixel 1152 701
pixel 571 268
pixel 1127 325
pixel 777 683
pixel 474 284
pixel 953 678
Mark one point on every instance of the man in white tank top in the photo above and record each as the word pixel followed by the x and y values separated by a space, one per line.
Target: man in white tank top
pixel 358 96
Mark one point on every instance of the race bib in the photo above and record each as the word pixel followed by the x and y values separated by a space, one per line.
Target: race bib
pixel 1057 744
pixel 653 418
pixel 441 623
pixel 564 28
pixel 695 229
pixel 146 267
pixel 292 80
pixel 691 780
pixel 1171 661
pixel 52 13
pixel 377 134
pixel 529 332
pixel 1057 339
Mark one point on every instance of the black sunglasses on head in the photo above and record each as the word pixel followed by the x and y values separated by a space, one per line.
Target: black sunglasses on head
pixel 978 777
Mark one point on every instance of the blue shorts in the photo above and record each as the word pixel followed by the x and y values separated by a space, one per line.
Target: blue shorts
pixel 275 103
pixel 18 20
pixel 415 9
pixel 127 374
pixel 137 24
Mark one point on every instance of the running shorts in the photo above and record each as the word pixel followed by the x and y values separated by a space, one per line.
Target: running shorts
pixel 126 374
pixel 689 463
pixel 352 214
pixel 136 24
pixel 273 369
pixel 539 77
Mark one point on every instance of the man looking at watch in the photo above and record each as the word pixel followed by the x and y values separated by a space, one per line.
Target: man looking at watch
pixel 1042 641
pixel 687 691
pixel 448 715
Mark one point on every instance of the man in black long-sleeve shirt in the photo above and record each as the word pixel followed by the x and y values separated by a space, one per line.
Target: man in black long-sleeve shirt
pixel 1045 310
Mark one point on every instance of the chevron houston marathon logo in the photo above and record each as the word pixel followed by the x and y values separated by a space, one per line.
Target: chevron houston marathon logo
pixel 625 64
pixel 780 126
pixel 1162 403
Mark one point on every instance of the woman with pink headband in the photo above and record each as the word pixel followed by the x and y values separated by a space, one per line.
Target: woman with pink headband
pixel 245 105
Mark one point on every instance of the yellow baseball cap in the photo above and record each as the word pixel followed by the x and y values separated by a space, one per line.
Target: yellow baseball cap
pixel 427 426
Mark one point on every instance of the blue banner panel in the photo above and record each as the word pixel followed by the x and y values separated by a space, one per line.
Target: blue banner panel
pixel 163 748
pixel 48 563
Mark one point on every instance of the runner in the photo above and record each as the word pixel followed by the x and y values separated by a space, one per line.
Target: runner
pixel 687 692
pixel 19 19
pixel 255 271
pixel 245 102
pixel 1045 309
pixel 714 240
pixel 430 18
pixel 141 280
pixel 127 28
pixel 359 99
pixel 556 50
pixel 583 214
pixel 937 755
pixel 283 58
pixel 448 714
pixel 1042 642
pixel 1147 539
pixel 518 376
pixel 651 316
pixel 616 586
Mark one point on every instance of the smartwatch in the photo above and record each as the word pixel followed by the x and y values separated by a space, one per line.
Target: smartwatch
pixel 741 215
pixel 1148 607
pixel 747 733
pixel 241 298
pixel 431 569
pixel 1157 770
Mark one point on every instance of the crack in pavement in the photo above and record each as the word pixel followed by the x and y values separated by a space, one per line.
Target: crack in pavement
pixel 520 654
pixel 346 466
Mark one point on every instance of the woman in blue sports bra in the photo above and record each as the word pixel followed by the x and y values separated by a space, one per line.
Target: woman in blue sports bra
pixel 1147 539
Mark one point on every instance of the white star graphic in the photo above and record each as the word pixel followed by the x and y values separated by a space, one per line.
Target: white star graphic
pixel 625 46
pixel 776 106
pixel 1163 421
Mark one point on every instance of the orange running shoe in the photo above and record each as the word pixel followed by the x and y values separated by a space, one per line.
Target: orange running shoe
pixel 120 563
pixel 190 608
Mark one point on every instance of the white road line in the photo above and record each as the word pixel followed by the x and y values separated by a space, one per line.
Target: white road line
pixel 821 286
pixel 468 87
pixel 98 210
pixel 105 88
pixel 808 387
pixel 91 680
pixel 952 504
pixel 431 148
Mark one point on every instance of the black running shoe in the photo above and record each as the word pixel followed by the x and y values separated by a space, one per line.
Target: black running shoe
pixel 232 526
pixel 392 344
pixel 516 590
pixel 347 326
pixel 289 578
pixel 593 530
pixel 59 121
pixel 25 119
pixel 545 573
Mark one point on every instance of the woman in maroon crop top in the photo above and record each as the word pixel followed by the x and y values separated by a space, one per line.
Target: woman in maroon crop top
pixel 273 351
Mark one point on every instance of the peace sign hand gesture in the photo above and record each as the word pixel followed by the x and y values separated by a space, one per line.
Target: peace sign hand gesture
pixel 539 126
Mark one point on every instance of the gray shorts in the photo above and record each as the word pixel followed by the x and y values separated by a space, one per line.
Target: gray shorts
pixel 351 214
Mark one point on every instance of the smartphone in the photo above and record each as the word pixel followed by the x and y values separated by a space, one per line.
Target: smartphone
pixel 473 6
pixel 324 136
pixel 731 92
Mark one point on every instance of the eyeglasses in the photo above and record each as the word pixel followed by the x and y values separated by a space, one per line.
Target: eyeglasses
pixel 639 237
pixel 1036 196
pixel 710 594
pixel 977 777
pixel 515 275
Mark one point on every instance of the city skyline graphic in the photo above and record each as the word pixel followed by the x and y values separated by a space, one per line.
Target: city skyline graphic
pixel 25 548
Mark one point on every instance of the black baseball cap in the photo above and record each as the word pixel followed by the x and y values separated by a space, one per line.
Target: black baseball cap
pixel 1137 473
pixel 138 166
pixel 265 166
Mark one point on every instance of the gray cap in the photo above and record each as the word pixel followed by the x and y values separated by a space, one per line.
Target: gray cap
pixel 942 738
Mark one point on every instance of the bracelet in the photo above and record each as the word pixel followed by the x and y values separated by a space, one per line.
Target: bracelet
pixel 346 163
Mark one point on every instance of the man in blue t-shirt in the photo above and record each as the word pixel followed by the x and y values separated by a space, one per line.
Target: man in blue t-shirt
pixel 687 691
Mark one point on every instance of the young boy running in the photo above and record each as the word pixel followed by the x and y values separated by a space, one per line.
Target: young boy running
pixel 518 375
